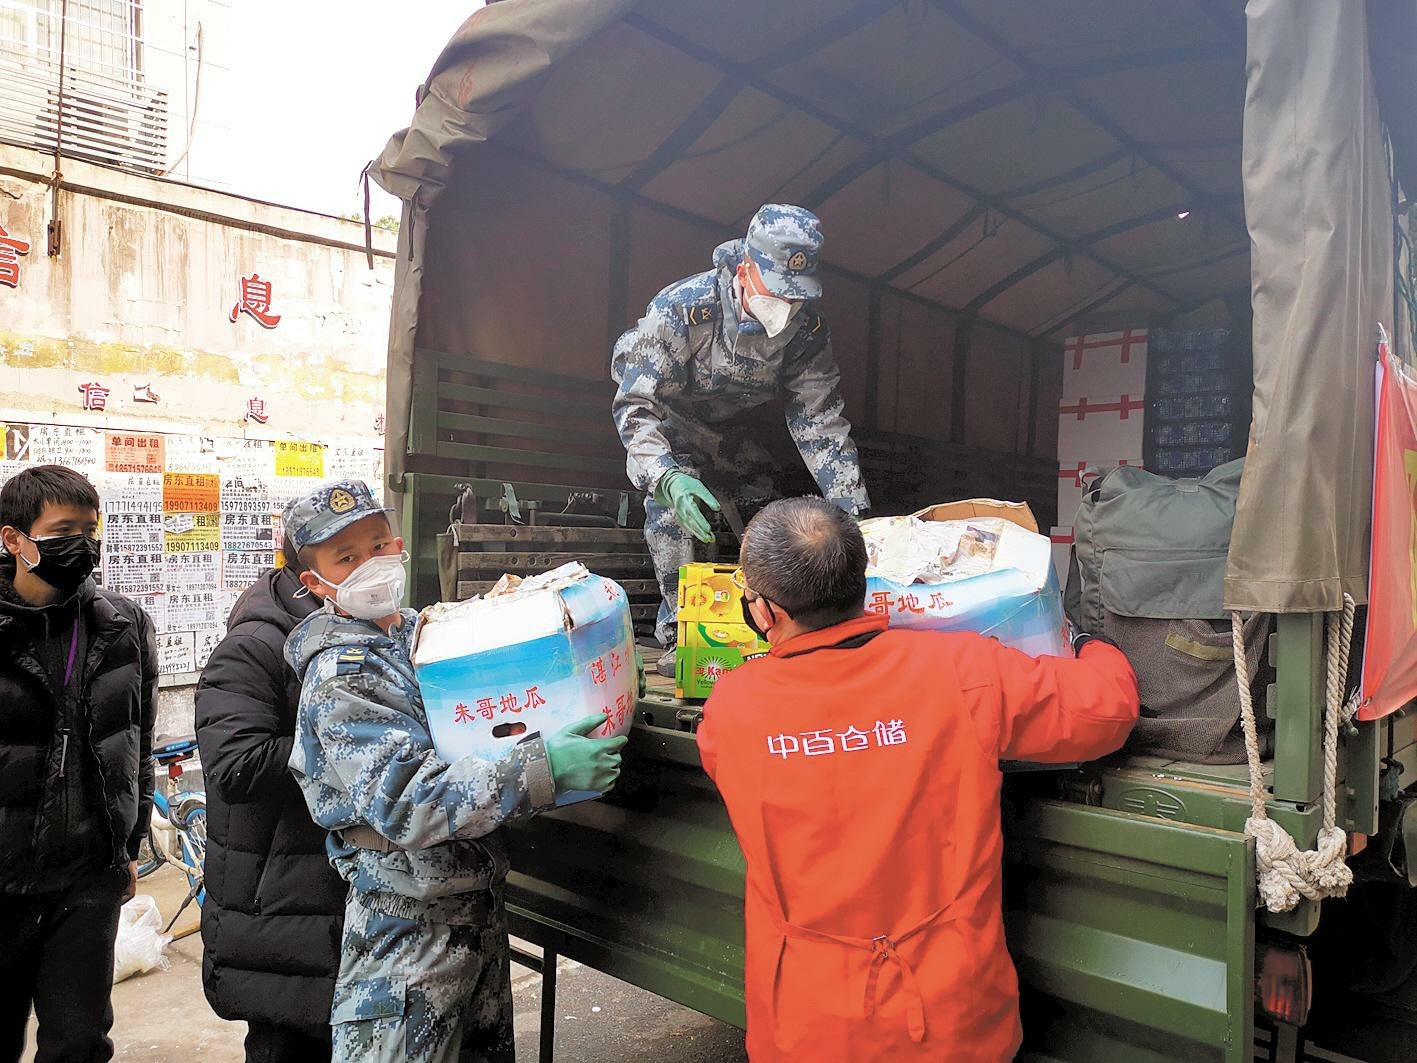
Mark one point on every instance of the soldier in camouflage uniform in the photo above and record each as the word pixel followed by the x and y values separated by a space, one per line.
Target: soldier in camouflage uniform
pixel 699 358
pixel 424 971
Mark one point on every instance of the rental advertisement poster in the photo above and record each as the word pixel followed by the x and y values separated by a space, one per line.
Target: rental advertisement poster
pixel 188 522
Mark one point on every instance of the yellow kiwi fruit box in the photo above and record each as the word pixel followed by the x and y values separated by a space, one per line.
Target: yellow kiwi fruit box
pixel 708 649
pixel 707 593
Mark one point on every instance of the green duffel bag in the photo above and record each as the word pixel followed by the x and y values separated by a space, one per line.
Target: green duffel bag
pixel 1148 571
pixel 1149 546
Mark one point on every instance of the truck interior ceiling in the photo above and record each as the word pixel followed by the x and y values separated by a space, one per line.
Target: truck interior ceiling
pixel 990 178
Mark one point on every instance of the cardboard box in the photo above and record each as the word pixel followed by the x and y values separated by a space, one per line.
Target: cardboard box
pixel 1100 428
pixel 707 592
pixel 987 573
pixel 1105 363
pixel 971 508
pixel 550 651
pixel 707 649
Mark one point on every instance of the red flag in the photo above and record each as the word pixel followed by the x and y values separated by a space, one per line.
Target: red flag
pixel 1390 655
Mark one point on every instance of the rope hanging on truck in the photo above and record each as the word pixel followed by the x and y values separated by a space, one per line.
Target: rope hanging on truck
pixel 1286 873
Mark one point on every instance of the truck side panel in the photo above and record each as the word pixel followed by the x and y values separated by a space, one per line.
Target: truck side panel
pixel 645 885
pixel 1134 937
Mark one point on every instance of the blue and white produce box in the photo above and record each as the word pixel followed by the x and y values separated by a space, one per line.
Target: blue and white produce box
pixel 983 573
pixel 531 656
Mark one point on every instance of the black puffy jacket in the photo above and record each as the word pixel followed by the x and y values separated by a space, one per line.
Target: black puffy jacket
pixel 274 911
pixel 118 703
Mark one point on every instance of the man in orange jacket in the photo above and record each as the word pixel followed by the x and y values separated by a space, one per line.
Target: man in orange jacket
pixel 860 767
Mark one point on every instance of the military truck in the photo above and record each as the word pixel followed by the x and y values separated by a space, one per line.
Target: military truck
pixel 993 176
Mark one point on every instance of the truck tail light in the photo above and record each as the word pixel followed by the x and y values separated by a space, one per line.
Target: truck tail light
pixel 1283 982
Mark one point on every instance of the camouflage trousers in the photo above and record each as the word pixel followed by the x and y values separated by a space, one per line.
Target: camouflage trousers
pixel 732 465
pixel 415 987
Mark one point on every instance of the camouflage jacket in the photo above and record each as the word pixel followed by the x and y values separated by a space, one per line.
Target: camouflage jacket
pixel 690 361
pixel 363 756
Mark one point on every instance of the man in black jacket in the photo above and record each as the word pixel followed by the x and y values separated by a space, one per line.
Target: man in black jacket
pixel 272 920
pixel 78 692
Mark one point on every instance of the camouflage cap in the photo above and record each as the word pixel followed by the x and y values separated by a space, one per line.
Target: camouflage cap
pixel 328 510
pixel 785 242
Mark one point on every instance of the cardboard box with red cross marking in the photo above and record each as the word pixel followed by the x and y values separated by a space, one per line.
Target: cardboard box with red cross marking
pixel 1099 427
pixel 1105 363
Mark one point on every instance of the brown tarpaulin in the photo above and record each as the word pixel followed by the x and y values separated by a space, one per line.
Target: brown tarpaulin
pixel 1318 205
pixel 1013 166
pixel 494 62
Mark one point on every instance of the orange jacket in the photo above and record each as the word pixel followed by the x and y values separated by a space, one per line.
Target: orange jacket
pixel 860 767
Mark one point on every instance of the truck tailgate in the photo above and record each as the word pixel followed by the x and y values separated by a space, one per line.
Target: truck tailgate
pixel 1133 936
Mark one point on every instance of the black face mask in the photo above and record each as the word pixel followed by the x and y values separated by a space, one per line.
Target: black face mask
pixel 748 617
pixel 65 561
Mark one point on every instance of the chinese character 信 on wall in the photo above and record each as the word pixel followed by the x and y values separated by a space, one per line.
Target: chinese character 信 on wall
pixel 11 248
pixel 95 396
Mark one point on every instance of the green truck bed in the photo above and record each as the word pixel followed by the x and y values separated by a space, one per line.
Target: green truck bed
pixel 647 885
pixel 1129 889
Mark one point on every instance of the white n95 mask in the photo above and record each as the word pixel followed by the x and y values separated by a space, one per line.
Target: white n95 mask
pixel 770 312
pixel 372 591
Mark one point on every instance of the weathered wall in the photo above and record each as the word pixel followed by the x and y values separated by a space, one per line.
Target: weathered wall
pixel 140 302
pixel 143 291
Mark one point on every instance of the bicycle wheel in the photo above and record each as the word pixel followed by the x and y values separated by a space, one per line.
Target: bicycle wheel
pixel 149 860
pixel 192 828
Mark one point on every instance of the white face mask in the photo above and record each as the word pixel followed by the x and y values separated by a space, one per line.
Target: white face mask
pixel 372 591
pixel 770 312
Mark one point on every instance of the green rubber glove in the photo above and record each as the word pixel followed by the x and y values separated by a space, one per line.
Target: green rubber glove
pixel 582 763
pixel 640 675
pixel 682 493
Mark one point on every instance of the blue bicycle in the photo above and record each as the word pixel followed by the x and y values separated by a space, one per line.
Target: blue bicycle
pixel 178 833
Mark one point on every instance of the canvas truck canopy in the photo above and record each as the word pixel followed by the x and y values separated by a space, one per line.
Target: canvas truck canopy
pixel 988 175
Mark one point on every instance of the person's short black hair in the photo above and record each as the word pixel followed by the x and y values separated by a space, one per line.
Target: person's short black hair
pixel 291 556
pixel 808 556
pixel 25 494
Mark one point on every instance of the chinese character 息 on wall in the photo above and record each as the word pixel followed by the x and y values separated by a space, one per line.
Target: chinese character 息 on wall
pixel 255 300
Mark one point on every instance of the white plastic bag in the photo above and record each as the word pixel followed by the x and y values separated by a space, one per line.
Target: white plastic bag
pixel 141 942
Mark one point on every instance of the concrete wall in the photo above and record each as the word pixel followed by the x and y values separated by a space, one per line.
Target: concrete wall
pixel 142 294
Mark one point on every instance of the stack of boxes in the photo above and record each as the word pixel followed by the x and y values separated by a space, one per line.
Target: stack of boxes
pixel 1099 419
pixel 1199 415
pixel 713 638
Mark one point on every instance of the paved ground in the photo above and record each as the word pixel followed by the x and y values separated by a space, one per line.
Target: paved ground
pixel 162 1017
pixel 601 1018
